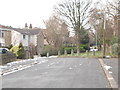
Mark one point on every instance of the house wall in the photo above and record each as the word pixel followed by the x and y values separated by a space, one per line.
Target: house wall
pixel 18 38
pixel 40 43
pixel 24 41
pixel 33 40
pixel 7 38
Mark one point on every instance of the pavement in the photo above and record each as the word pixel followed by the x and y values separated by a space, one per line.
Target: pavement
pixel 110 67
pixel 59 73
pixel 113 62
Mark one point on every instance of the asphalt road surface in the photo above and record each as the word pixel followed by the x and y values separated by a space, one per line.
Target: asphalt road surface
pixel 59 73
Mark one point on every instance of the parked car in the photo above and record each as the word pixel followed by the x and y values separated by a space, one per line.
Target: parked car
pixel 4 50
pixel 93 49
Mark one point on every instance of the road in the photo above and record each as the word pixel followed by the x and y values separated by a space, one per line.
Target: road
pixel 59 73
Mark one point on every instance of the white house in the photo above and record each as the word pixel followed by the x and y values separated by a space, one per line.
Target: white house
pixel 28 37
pixel 24 36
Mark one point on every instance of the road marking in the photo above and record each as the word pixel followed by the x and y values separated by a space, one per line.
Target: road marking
pixel 20 67
pixel 110 72
pixel 70 68
pixel 110 78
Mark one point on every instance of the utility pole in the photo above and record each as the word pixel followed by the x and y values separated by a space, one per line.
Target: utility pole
pixel 119 30
pixel 1 38
pixel 104 46
pixel 96 39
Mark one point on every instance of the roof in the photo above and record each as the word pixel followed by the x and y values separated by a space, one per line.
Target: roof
pixel 28 31
pixel 33 31
pixel 6 28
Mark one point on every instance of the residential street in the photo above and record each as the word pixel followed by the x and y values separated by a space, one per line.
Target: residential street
pixel 59 73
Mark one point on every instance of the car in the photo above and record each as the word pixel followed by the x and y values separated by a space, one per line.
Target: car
pixel 4 50
pixel 93 49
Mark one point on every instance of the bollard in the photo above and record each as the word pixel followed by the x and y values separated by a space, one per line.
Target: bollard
pixel 58 53
pixel 72 52
pixel 87 52
pixel 78 52
pixel 48 54
pixel 65 52
pixel 94 53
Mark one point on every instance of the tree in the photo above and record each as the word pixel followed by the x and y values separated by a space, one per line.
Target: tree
pixel 77 13
pixel 97 21
pixel 20 51
pixel 56 32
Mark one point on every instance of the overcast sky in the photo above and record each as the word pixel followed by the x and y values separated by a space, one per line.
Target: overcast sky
pixel 16 13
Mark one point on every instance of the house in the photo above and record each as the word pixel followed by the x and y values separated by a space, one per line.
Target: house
pixel 5 35
pixel 32 39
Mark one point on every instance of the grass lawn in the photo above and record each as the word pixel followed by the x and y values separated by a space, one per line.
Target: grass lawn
pixel 97 54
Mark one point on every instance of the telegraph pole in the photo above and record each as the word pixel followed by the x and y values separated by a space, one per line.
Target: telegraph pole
pixel 104 46
pixel 119 30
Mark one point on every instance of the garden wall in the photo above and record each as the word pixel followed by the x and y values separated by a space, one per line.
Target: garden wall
pixel 6 58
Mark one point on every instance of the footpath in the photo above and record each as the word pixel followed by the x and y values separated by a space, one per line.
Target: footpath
pixel 110 67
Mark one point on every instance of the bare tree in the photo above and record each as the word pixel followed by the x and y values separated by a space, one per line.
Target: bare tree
pixel 56 32
pixel 77 14
pixel 97 21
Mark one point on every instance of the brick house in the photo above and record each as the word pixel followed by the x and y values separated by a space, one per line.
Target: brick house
pixel 5 35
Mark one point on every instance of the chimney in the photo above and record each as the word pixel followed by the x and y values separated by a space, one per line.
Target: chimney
pixel 26 27
pixel 30 27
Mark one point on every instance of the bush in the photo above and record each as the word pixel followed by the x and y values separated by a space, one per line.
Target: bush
pixel 18 50
pixel 82 49
pixel 85 46
pixel 115 48
pixel 10 46
pixel 46 49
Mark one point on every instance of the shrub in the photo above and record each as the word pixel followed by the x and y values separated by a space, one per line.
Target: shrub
pixel 10 46
pixel 46 49
pixel 115 48
pixel 18 50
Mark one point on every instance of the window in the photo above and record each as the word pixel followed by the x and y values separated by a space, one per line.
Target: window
pixel 23 36
pixel 2 34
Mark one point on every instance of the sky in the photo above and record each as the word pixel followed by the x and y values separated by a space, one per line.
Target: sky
pixel 16 13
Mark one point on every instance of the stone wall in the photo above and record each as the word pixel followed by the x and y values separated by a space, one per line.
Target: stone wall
pixel 6 58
